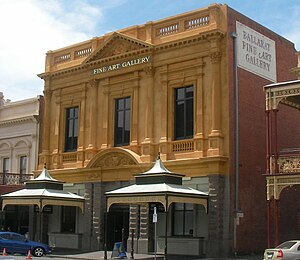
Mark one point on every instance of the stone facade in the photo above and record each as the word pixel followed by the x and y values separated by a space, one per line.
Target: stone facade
pixel 148 63
pixel 19 132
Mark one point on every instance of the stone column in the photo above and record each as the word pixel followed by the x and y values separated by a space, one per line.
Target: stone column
pixel 91 148
pixel 44 157
pixel 134 218
pixel 57 137
pixel 144 219
pixel 147 144
pixel 215 147
pixel 217 245
pixel 82 126
pixel 163 145
pixel 135 110
pixel 199 115
pixel 105 113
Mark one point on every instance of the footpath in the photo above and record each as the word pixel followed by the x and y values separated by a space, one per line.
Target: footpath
pixel 100 255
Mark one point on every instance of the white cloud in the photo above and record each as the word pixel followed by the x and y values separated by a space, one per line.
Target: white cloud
pixel 29 29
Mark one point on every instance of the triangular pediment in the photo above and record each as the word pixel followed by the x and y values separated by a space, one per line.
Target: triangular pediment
pixel 117 44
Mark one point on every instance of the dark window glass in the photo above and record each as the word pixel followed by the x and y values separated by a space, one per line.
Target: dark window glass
pixel 23 164
pixel 122 121
pixel 5 165
pixel 184 113
pixel 68 219
pixel 183 219
pixel 71 129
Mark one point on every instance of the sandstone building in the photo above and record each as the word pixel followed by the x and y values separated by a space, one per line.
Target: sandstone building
pixel 114 102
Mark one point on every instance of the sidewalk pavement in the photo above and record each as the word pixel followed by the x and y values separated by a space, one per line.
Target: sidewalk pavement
pixel 100 255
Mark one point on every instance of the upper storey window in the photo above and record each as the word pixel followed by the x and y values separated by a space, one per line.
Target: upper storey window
pixel 71 129
pixel 184 113
pixel 5 168
pixel 122 121
pixel 23 164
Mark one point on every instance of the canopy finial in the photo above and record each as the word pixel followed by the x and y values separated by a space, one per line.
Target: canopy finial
pixel 45 166
pixel 158 156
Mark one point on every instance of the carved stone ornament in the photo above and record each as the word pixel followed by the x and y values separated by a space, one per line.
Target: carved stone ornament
pixel 215 57
pixel 116 45
pixel 112 160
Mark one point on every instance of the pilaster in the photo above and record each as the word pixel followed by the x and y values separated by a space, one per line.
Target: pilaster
pixel 44 157
pixel 105 111
pixel 55 139
pixel 91 148
pixel 199 137
pixel 215 138
pixel 81 135
pixel 163 142
pixel 147 146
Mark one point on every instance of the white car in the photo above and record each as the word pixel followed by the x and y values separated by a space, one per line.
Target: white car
pixel 289 250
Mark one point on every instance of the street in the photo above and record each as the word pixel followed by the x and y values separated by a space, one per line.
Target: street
pixel 99 255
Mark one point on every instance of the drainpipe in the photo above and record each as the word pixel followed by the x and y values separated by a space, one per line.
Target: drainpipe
pixel 236 106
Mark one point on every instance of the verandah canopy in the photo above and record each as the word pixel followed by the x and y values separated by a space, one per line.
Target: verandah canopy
pixel 41 191
pixel 156 185
pixel 163 193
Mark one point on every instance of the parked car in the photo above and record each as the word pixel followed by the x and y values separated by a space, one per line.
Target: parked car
pixel 289 250
pixel 17 243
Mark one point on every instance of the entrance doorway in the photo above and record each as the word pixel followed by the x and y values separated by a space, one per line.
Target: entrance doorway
pixel 117 225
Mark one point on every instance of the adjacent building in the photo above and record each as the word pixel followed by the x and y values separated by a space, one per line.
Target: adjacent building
pixel 19 149
pixel 114 102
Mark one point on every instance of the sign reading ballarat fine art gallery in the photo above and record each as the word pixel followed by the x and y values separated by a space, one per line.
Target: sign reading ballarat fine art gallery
pixel 256 52
pixel 121 65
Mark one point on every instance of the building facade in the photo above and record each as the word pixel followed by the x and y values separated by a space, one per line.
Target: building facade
pixel 19 149
pixel 113 102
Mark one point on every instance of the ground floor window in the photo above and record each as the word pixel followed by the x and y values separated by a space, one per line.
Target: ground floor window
pixel 183 219
pixel 68 219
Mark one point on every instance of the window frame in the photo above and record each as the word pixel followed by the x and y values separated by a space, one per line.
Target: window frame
pixel 68 219
pixel 21 169
pixel 185 211
pixel 124 140
pixel 71 142
pixel 185 101
pixel 4 164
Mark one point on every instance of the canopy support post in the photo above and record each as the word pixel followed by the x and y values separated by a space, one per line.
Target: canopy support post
pixel 105 229
pixel 166 228
pixel 40 222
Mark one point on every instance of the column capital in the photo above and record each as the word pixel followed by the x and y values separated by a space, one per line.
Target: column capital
pixel 215 56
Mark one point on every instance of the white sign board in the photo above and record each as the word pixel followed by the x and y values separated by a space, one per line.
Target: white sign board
pixel 256 52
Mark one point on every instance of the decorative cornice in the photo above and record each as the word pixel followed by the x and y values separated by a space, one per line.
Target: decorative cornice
pixel 15 121
pixel 189 41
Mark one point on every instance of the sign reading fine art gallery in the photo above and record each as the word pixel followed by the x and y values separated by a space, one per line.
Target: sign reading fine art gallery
pixel 121 65
pixel 256 52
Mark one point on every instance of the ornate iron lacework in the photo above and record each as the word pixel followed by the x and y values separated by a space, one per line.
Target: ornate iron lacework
pixel 290 164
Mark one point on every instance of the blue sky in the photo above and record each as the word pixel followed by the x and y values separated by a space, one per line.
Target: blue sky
pixel 30 28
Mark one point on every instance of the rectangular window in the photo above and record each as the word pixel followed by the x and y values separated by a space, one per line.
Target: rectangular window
pixel 68 219
pixel 23 164
pixel 5 165
pixel 71 129
pixel 183 219
pixel 122 121
pixel 184 113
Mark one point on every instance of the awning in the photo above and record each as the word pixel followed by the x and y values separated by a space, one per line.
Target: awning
pixel 41 191
pixel 43 197
pixel 164 193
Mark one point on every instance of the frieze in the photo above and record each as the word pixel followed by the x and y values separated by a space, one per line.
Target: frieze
pixel 112 160
pixel 289 165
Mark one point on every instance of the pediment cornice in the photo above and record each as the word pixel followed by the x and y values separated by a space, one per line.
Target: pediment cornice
pixel 91 62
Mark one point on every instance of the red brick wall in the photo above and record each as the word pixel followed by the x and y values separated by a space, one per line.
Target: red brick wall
pixel 252 232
